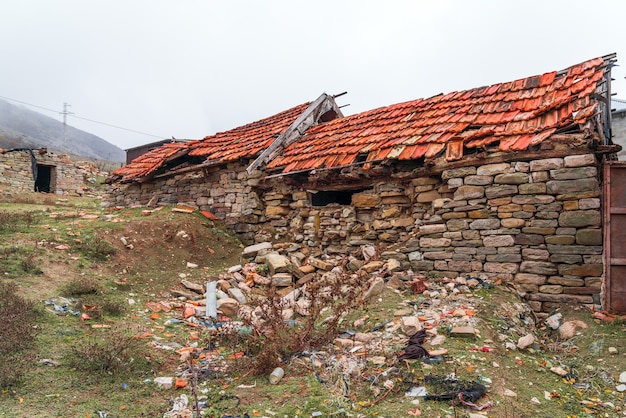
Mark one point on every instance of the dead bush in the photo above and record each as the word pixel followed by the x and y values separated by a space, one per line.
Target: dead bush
pixel 274 341
pixel 111 352
pixel 17 334
pixel 96 248
pixel 15 221
pixel 81 286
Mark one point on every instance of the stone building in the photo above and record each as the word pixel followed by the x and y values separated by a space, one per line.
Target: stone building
pixel 502 181
pixel 28 170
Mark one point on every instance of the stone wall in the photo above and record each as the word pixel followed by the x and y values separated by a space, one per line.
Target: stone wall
pixel 67 176
pixel 535 225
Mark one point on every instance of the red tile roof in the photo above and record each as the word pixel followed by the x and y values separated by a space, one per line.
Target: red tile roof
pixel 512 115
pixel 243 142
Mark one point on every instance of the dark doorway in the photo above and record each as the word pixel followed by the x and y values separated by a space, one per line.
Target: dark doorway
pixel 44 174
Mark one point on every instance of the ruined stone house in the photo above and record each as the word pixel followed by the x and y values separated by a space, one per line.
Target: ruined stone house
pixel 502 181
pixel 39 170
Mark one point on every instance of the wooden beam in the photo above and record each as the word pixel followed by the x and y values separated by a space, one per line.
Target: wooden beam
pixel 307 119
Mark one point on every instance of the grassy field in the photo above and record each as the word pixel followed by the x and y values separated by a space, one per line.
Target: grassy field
pixel 62 259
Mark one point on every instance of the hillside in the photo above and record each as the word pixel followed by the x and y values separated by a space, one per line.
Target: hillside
pixel 21 127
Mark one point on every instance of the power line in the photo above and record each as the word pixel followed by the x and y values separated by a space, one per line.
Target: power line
pixel 65 113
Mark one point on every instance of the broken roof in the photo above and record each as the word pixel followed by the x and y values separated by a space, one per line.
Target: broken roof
pixel 507 117
pixel 512 116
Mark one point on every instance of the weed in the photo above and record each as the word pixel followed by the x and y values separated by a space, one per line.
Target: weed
pixel 275 340
pixel 17 334
pixel 107 353
pixel 113 307
pixel 81 286
pixel 15 221
pixel 29 265
pixel 96 249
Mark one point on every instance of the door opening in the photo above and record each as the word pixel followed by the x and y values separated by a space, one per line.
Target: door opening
pixel 44 179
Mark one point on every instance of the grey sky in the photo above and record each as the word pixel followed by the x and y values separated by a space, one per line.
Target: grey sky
pixel 191 68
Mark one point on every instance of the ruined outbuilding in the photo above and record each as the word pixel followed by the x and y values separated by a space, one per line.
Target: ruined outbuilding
pixel 40 170
pixel 502 181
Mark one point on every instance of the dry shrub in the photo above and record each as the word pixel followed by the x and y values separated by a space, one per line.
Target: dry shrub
pixel 111 352
pixel 17 334
pixel 15 221
pixel 274 341
pixel 81 286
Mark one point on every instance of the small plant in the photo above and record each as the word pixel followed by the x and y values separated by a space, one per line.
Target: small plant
pixel 15 221
pixel 107 353
pixel 29 265
pixel 81 286
pixel 17 334
pixel 96 249
pixel 274 340
pixel 113 307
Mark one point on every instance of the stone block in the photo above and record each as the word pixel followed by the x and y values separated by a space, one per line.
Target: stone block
pixel 539 230
pixel 538 267
pixel 529 239
pixel 494 192
pixel 533 199
pixel 277 210
pixel 458 172
pixel 252 250
pixel 469 192
pixel 320 264
pixel 432 229
pixel 493 169
pixel 527 278
pixel 560 239
pixel 498 241
pixel 501 267
pixel 480 224
pixel 560 298
pixel 478 180
pixel 546 164
pixel 534 254
pixel 282 279
pixel 581 290
pixel 455 182
pixel 572 186
pixel 365 200
pixel 582 270
pixel 434 242
pixel 512 223
pixel 575 249
pixel 566 281
pixel 579 160
pixel 551 288
pixel 532 188
pixel 428 197
pixel 570 205
pixel 573 173
pixel 589 203
pixel 511 178
pixel 457 224
pixel 479 214
pixel 589 237
pixel 580 218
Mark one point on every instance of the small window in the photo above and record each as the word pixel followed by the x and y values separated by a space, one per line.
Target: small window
pixel 324 198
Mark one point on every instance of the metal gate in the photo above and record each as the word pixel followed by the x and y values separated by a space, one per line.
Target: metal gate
pixel 615 236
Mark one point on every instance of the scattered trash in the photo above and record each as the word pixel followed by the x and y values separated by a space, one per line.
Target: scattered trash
pixel 276 375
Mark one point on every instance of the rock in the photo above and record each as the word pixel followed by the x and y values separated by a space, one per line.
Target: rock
pixel 622 377
pixel 320 264
pixel 621 388
pixel 525 341
pixel 438 340
pixel 282 279
pixel 237 294
pixel 559 370
pixel 439 352
pixel 277 263
pixel 376 288
pixel 612 350
pixel 164 382
pixel 343 343
pixel 198 288
pixel 192 265
pixel 510 346
pixel 302 306
pixel 235 269
pixel 228 306
pixel 554 321
pixel 393 265
pixel 373 266
pixel 567 330
pixel 463 331
pixel 509 393
pixel 252 250
pixel 410 325
pixel 377 360
pixel 363 337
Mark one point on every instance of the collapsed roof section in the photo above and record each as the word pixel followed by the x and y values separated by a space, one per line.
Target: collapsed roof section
pixel 245 142
pixel 505 117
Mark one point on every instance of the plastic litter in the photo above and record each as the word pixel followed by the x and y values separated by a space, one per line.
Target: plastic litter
pixel 276 375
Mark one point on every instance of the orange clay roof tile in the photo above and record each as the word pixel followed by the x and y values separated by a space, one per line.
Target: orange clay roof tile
pixel 514 115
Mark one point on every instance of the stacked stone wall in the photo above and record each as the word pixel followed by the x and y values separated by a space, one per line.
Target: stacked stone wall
pixel 67 176
pixel 536 225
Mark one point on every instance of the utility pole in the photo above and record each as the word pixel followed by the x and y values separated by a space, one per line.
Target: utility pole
pixel 65 113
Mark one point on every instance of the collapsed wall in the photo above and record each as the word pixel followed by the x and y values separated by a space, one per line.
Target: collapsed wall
pixel 535 225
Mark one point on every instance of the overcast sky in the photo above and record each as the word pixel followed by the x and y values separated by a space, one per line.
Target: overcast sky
pixel 190 68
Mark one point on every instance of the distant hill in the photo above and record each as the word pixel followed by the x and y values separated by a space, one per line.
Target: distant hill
pixel 22 128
